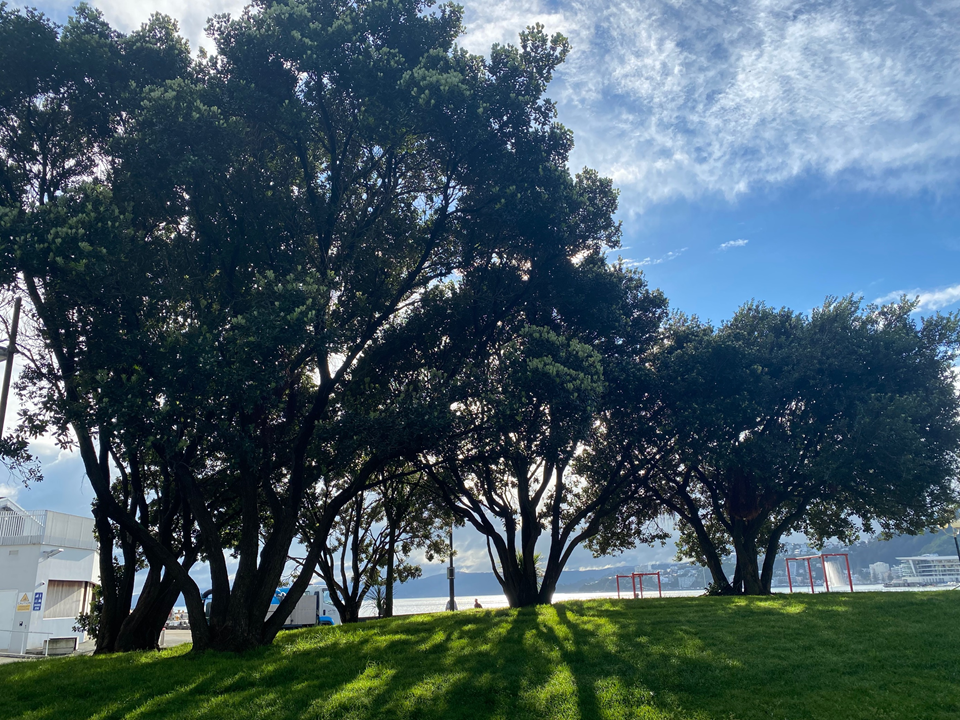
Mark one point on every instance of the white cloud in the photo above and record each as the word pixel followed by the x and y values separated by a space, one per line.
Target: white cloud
pixel 733 244
pixel 928 299
pixel 684 97
pixel 672 255
pixel 680 98
pixel 500 21
pixel 126 15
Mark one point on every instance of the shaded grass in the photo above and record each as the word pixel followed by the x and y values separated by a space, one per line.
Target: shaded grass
pixel 870 656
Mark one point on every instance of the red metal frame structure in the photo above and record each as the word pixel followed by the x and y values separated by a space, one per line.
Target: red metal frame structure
pixel 633 578
pixel 823 562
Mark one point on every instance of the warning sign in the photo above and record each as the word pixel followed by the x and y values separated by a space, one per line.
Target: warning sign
pixel 23 604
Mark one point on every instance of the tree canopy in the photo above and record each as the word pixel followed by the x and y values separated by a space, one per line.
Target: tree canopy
pixel 832 424
pixel 508 461
pixel 262 280
pixel 212 245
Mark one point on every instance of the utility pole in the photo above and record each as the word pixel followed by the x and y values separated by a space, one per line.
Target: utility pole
pixel 450 572
pixel 8 367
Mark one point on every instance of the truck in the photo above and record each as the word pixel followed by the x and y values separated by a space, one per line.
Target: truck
pixel 314 608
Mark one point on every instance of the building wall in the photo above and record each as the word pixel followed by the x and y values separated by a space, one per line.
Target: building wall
pixel 931 568
pixel 24 570
pixel 18 573
pixel 72 564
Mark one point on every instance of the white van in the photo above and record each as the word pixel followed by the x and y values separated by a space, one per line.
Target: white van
pixel 314 608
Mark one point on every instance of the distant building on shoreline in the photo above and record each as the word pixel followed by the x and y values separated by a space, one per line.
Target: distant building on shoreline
pixel 930 570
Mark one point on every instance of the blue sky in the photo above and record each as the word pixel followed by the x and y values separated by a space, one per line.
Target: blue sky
pixel 774 150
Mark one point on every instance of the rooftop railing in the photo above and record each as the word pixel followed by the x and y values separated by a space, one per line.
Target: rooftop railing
pixel 45 527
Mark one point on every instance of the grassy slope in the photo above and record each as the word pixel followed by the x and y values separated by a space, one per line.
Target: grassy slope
pixel 883 655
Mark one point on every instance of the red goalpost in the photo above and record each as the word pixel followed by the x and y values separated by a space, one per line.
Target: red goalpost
pixel 633 578
pixel 826 570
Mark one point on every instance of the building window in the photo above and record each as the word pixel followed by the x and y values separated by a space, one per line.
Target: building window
pixel 65 599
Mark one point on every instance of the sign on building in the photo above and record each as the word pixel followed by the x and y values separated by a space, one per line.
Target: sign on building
pixel 37 601
pixel 23 604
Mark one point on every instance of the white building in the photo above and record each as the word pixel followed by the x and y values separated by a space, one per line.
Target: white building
pixel 49 565
pixel 930 570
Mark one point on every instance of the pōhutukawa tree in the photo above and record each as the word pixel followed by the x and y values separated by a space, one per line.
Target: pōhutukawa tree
pixel 509 463
pixel 415 521
pixel 374 535
pixel 80 261
pixel 842 421
pixel 211 246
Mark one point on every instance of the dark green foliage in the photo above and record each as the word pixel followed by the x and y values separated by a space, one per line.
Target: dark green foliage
pixel 522 414
pixel 842 422
pixel 89 622
pixel 221 252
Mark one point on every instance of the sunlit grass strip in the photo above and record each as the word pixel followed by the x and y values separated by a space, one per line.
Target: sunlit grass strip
pixel 842 656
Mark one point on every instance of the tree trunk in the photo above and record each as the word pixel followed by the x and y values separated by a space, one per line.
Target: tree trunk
pixel 713 560
pixel 116 589
pixel 721 585
pixel 141 630
pixel 769 561
pixel 350 612
pixel 736 586
pixel 745 545
pixel 548 585
pixel 388 590
pixel 517 585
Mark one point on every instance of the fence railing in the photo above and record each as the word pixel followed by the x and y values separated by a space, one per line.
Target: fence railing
pixel 46 527
pixel 24 634
pixel 22 528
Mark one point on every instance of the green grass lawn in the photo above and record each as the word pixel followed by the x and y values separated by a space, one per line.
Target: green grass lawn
pixel 868 655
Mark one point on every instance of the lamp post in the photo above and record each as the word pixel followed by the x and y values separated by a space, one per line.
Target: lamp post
pixel 7 357
pixel 452 604
pixel 952 529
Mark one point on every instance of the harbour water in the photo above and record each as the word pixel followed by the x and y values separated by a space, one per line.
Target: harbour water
pixel 420 606
pixel 417 606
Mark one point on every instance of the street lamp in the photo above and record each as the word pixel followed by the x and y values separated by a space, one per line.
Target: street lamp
pixel 952 528
pixel 8 362
pixel 452 602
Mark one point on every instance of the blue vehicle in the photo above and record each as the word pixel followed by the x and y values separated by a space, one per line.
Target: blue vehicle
pixel 314 608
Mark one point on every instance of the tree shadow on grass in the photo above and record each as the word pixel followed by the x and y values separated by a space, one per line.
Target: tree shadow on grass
pixel 454 666
pixel 708 658
pixel 806 657
pixel 482 668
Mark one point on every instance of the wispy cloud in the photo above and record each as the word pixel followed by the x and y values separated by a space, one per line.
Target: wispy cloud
pixel 928 299
pixel 672 255
pixel 733 244
pixel 677 99
pixel 680 98
pixel 126 15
